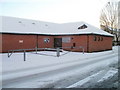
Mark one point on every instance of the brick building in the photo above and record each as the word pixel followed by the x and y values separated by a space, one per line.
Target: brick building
pixel 20 33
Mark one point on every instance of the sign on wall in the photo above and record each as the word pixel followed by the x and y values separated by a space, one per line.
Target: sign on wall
pixel 46 40
pixel 20 41
pixel 66 39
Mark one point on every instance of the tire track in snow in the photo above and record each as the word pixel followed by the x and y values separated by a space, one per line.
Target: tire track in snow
pixel 81 82
pixel 92 80
pixel 10 82
pixel 98 77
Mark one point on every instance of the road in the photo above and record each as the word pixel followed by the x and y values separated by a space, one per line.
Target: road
pixel 74 74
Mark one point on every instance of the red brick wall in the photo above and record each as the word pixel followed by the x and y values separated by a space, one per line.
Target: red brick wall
pixel 12 42
pixel 78 40
pixel 105 44
pixel 42 44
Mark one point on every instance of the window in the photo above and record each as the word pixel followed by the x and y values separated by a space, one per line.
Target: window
pixel 101 38
pixel 46 40
pixel 95 38
pixel 82 27
pixel 66 39
pixel 98 38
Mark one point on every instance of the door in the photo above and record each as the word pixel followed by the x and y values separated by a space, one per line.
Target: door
pixel 57 42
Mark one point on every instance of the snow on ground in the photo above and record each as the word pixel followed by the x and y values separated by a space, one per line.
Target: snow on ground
pixel 44 58
pixel 96 77
pixel 84 80
pixel 56 67
pixel 109 74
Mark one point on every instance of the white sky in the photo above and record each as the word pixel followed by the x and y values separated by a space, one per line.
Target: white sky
pixel 58 11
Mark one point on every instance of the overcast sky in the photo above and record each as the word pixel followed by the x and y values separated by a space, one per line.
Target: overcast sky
pixel 58 11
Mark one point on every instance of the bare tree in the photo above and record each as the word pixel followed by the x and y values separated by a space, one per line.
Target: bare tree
pixel 109 19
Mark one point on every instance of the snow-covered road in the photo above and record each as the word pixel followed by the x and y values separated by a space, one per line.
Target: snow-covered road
pixel 67 72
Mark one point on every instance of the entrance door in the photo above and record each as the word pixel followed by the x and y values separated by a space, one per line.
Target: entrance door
pixel 57 42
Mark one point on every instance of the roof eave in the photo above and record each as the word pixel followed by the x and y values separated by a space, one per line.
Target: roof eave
pixel 55 34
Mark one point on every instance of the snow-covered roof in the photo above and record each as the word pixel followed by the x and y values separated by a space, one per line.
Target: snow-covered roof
pixel 18 25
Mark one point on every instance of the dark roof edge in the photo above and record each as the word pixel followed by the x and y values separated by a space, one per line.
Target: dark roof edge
pixel 52 34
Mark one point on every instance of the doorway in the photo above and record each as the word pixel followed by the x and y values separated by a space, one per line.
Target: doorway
pixel 57 42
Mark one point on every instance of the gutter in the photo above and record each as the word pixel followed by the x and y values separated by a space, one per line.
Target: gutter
pixel 55 34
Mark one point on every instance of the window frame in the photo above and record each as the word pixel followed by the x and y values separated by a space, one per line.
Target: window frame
pixel 95 38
